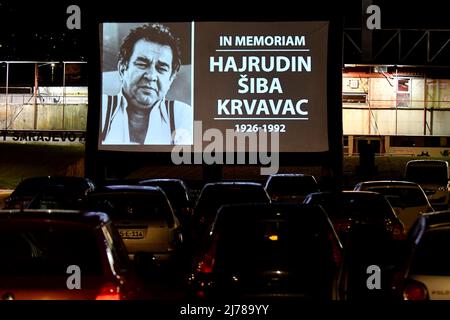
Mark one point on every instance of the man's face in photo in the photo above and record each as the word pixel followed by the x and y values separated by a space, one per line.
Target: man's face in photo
pixel 148 76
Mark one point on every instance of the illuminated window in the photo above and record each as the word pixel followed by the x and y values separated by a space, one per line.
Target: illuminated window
pixel 353 97
pixel 403 92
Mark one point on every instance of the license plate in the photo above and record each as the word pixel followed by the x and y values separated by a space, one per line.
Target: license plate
pixel 131 234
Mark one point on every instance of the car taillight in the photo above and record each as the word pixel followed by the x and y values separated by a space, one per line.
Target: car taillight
pixel 342 226
pixel 398 232
pixel 200 294
pixel 206 264
pixel 415 290
pixel 336 250
pixel 108 291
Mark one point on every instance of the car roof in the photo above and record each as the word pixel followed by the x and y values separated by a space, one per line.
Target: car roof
pixel 56 178
pixel 346 194
pixel 300 177
pixel 163 180
pixel 291 175
pixel 53 179
pixel 212 188
pixel 232 184
pixel 427 162
pixel 36 184
pixel 85 217
pixel 389 183
pixel 127 188
pixel 167 184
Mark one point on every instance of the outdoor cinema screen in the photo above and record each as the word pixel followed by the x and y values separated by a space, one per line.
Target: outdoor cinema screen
pixel 191 83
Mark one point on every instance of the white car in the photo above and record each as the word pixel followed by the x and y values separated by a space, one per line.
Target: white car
pixel 407 198
pixel 425 274
pixel 434 177
pixel 144 218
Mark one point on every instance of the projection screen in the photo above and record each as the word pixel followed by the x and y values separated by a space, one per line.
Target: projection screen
pixel 235 78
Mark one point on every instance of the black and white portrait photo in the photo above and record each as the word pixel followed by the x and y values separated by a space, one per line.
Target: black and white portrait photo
pixel 146 84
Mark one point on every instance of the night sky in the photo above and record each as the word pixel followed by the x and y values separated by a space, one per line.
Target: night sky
pixel 37 30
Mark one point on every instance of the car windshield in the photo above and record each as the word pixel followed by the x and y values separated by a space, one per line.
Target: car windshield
pixel 402 197
pixel 174 191
pixel 48 251
pixel 137 206
pixel 431 256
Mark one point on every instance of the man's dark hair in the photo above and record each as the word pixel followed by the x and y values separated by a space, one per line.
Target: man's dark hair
pixel 155 33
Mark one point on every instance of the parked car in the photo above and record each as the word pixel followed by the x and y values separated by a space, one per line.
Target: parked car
pixel 425 273
pixel 348 208
pixel 433 177
pixel 407 198
pixel 370 257
pixel 180 198
pixel 290 187
pixel 268 252
pixel 144 218
pixel 56 197
pixel 72 189
pixel 42 249
pixel 216 194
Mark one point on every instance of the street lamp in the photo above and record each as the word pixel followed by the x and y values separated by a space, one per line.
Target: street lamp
pixel 53 71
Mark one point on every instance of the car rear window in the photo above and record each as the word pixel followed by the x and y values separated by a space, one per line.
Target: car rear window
pixel 294 244
pixel 292 185
pixel 133 206
pixel 356 207
pixel 211 199
pixel 431 256
pixel 425 173
pixel 176 193
pixel 403 197
pixel 60 199
pixel 33 186
pixel 48 251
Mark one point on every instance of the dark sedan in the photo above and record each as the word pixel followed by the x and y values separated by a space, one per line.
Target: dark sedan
pixel 53 255
pixel 269 252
